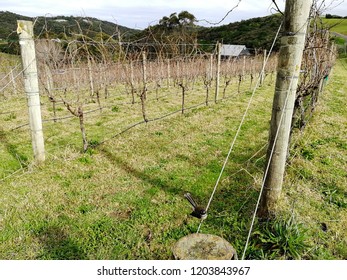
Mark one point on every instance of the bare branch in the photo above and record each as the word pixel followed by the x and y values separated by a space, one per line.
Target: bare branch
pixel 226 15
pixel 277 8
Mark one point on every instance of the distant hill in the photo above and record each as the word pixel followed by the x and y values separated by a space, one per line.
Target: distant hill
pixel 254 33
pixel 61 27
pixel 260 32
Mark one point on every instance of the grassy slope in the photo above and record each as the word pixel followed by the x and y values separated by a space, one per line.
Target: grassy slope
pixel 316 184
pixel 124 199
pixel 339 25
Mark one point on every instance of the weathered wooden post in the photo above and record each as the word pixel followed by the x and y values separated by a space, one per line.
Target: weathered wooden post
pixel 219 46
pixel 289 62
pixel 27 46
pixel 90 74
pixel 143 95
pixel 244 67
pixel 132 83
pixel 144 73
pixel 168 73
pixel 262 73
pixel 211 67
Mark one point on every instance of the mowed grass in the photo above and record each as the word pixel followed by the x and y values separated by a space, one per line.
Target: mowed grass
pixel 316 182
pixel 123 199
pixel 336 24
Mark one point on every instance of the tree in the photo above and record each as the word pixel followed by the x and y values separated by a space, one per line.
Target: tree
pixel 183 19
pixel 170 22
pixel 186 19
pixel 174 34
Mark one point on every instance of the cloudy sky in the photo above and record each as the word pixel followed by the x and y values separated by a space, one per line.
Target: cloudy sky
pixel 141 13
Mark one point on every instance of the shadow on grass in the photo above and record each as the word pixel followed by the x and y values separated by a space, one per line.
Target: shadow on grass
pixel 57 245
pixel 232 206
pixel 154 181
pixel 12 150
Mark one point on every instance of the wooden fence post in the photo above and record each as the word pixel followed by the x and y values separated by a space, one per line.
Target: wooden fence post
pixel 144 74
pixel 27 46
pixel 132 83
pixel 143 95
pixel 262 74
pixel 90 74
pixel 219 46
pixel 292 45
pixel 168 73
pixel 211 67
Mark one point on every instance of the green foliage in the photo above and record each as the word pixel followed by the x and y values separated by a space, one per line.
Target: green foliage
pixel 173 29
pixel 124 198
pixel 335 25
pixel 10 117
pixel 8 34
pixel 115 109
pixel 307 153
pixel 93 143
pixel 86 159
pixel 332 16
pixel 339 40
pixel 183 19
pixel 60 27
pixel 334 194
pixel 254 33
pixel 278 239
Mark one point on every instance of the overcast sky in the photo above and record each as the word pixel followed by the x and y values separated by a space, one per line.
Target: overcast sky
pixel 142 13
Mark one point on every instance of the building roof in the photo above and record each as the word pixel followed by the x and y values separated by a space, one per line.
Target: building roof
pixel 232 50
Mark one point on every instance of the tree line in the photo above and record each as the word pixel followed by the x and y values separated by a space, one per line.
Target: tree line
pixel 334 16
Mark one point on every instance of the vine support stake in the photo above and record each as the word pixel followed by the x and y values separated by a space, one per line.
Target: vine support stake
pixel 219 47
pixel 27 47
pixel 262 74
pixel 144 73
pixel 296 19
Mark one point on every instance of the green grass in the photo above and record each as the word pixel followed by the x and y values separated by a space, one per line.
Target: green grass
pixel 124 199
pixel 319 196
pixel 337 25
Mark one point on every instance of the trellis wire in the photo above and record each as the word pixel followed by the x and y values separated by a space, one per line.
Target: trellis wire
pixel 4 87
pixel 239 127
pixel 3 78
pixel 266 171
pixel 20 73
pixel 270 158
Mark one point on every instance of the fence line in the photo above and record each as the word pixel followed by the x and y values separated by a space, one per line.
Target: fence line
pixel 9 73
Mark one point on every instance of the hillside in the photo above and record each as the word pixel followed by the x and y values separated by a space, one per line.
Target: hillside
pixel 337 25
pixel 258 32
pixel 58 27
pixel 254 33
